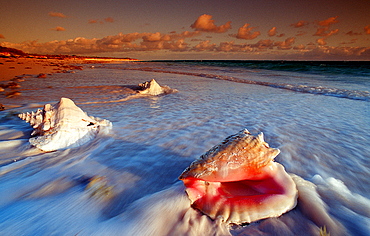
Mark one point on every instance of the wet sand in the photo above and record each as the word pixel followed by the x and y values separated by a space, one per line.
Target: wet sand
pixel 15 70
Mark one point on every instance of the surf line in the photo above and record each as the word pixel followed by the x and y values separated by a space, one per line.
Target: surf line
pixel 333 92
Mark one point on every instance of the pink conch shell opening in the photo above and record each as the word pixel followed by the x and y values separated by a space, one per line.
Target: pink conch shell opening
pixel 239 181
pixel 63 125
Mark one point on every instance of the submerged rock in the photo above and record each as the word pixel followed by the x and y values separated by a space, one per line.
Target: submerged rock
pixel 99 189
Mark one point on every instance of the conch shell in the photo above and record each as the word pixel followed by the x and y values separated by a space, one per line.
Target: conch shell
pixel 153 88
pixel 63 125
pixel 239 181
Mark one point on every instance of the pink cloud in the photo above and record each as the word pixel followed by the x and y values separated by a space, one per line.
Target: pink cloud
pixel 119 39
pixel 329 21
pixel 92 21
pixel 324 32
pixel 185 34
pixel 154 37
pixel 57 14
pixel 299 47
pixel 285 45
pixel 327 52
pixel 226 47
pixel 300 24
pixel 321 41
pixel 205 46
pixel 177 42
pixel 263 44
pixel 244 32
pixel 206 24
pixel 232 47
pixel 59 28
pixel 2 36
pixel 301 33
pixel 109 19
pixel 351 33
pixel 367 29
pixel 272 32
pixel 351 42
pixel 311 45
pixel 113 43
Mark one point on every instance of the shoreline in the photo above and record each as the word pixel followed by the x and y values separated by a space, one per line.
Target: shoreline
pixel 14 70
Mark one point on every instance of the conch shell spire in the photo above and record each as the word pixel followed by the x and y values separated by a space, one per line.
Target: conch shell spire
pixel 238 157
pixel 151 88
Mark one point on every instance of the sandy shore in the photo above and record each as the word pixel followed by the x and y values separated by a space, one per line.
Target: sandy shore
pixel 15 70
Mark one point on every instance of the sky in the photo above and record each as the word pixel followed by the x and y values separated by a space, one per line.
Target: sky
pixel 190 29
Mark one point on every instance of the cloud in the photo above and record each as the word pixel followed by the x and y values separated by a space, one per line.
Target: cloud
pixel 233 47
pixel 206 24
pixel 95 21
pixel 2 36
pixel 57 14
pixel 351 42
pixel 263 44
pixel 187 41
pixel 351 33
pixel 113 43
pixel 244 32
pixel 327 52
pixel 301 33
pixel 321 41
pixel 59 28
pixel 205 46
pixel 119 39
pixel 324 32
pixel 109 19
pixel 300 24
pixel 285 45
pixel 178 45
pixel 367 29
pixel 92 21
pixel 328 22
pixel 272 32
pixel 299 47
pixel 155 37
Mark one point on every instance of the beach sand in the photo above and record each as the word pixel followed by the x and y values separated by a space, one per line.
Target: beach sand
pixel 17 67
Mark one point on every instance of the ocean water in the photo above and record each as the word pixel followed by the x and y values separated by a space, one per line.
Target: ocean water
pixel 316 113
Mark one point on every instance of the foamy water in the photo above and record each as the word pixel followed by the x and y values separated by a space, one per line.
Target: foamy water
pixel 320 122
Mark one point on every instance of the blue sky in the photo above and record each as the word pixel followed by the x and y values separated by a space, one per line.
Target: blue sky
pixel 248 29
